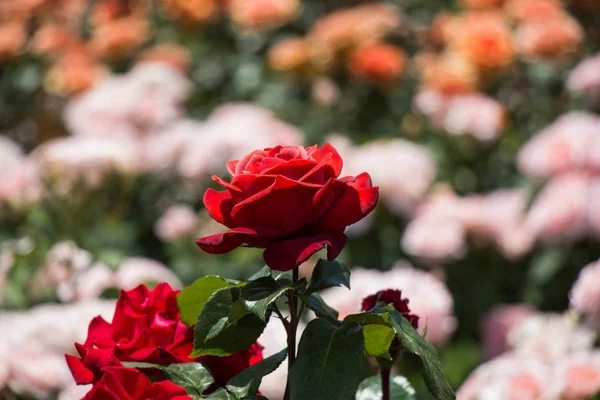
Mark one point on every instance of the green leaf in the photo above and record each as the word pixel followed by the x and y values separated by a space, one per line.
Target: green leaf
pixel 221 394
pixel 194 377
pixel 329 363
pixel 414 343
pixel 328 274
pixel 258 295
pixel 378 339
pixel 236 328
pixel 192 299
pixel 261 273
pixel 247 382
pixel 316 303
pixel 400 389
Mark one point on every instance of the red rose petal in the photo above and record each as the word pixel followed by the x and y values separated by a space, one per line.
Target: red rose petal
pixel 329 151
pixel 289 254
pixel 313 209
pixel 81 374
pixel 219 205
pixel 224 242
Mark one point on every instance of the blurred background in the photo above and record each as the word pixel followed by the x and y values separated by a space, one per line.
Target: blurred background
pixel 478 120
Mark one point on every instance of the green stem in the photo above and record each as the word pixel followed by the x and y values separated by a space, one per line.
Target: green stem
pixel 385 383
pixel 291 334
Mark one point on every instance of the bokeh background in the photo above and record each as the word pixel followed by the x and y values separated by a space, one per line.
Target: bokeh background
pixel 478 120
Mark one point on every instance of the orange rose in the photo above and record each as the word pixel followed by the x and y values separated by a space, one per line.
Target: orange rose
pixel 449 73
pixel 378 63
pixel 484 39
pixel 176 56
pixel 54 40
pixel 201 11
pixel 548 38
pixel 13 36
pixel 291 54
pixel 73 73
pixel 258 14
pixel 119 38
pixel 523 10
pixel 481 3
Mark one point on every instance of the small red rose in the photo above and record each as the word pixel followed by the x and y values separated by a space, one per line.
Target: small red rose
pixel 290 201
pixel 394 298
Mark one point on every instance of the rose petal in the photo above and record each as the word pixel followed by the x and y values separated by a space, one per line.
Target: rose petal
pixel 335 160
pixel 81 374
pixel 289 254
pixel 225 242
pixel 219 206
pixel 358 200
pixel 314 208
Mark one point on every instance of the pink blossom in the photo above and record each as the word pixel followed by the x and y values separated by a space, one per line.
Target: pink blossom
pixel 325 92
pixel 230 132
pixel 86 284
pixel 579 376
pixel 585 293
pixel 20 184
pixel 585 78
pixel 429 298
pixel 472 114
pixel 530 337
pixel 89 157
pixel 560 209
pixel 134 271
pixel 572 142
pixel 163 149
pixel 496 326
pixel 144 100
pixel 177 222
pixel 10 153
pixel 403 170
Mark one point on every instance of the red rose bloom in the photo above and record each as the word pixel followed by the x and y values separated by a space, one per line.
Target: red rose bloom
pixel 393 297
pixel 119 383
pixel 147 327
pixel 289 201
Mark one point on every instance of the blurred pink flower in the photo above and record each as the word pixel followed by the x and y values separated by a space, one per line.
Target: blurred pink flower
pixel 86 284
pixel 579 376
pixel 472 114
pixel 570 143
pixel 135 271
pixel 585 293
pixel 325 92
pixel 20 184
pixel 530 337
pixel 508 377
pixel 585 78
pixel 403 170
pixel 560 210
pixel 496 326
pixel 178 221
pixel 429 298
pixel 163 149
pixel 230 132
pixel 10 153
pixel 92 158
pixel 548 38
pixel 33 344
pixel 144 100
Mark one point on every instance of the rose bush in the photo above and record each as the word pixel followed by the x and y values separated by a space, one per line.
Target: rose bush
pixel 289 201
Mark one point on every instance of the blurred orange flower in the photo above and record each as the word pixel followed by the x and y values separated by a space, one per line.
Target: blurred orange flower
pixel 53 40
pixel 292 54
pixel 449 73
pixel 13 36
pixel 119 38
pixel 108 10
pixel 483 38
pixel 523 10
pixel 378 63
pixel 481 3
pixel 353 26
pixel 192 10
pixel 176 56
pixel 548 38
pixel 258 14
pixel 73 73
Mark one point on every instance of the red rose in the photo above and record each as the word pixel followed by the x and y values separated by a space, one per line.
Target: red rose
pixel 119 383
pixel 147 327
pixel 289 201
pixel 393 297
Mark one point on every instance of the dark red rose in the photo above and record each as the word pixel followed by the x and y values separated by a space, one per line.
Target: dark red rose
pixel 394 298
pixel 289 201
pixel 147 327
pixel 119 383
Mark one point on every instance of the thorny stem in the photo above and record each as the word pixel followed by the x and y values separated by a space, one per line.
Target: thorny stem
pixel 385 383
pixel 291 333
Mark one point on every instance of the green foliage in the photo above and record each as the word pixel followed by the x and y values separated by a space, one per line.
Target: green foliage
pixel 194 377
pixel 328 274
pixel 247 382
pixel 316 303
pixel 329 363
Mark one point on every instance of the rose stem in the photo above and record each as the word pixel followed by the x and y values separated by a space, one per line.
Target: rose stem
pixel 385 383
pixel 291 333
